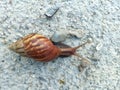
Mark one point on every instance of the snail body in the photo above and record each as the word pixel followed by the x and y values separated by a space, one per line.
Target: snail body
pixel 40 48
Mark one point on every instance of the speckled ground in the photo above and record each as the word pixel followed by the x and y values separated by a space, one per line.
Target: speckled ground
pixel 95 19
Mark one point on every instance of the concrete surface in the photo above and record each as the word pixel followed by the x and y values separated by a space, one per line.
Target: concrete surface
pixel 96 19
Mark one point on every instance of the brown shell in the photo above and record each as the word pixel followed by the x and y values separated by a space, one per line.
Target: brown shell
pixel 36 46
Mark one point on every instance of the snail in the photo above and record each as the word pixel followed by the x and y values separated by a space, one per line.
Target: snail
pixel 41 48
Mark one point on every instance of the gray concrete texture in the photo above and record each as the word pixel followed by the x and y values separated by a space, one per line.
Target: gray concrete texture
pixel 95 19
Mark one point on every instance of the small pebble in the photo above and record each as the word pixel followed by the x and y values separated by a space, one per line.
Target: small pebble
pixel 59 36
pixel 52 10
pixel 99 46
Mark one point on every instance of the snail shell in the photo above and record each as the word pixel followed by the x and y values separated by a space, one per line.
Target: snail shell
pixel 40 48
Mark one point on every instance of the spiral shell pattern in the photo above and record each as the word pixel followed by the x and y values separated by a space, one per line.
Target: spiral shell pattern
pixel 38 47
